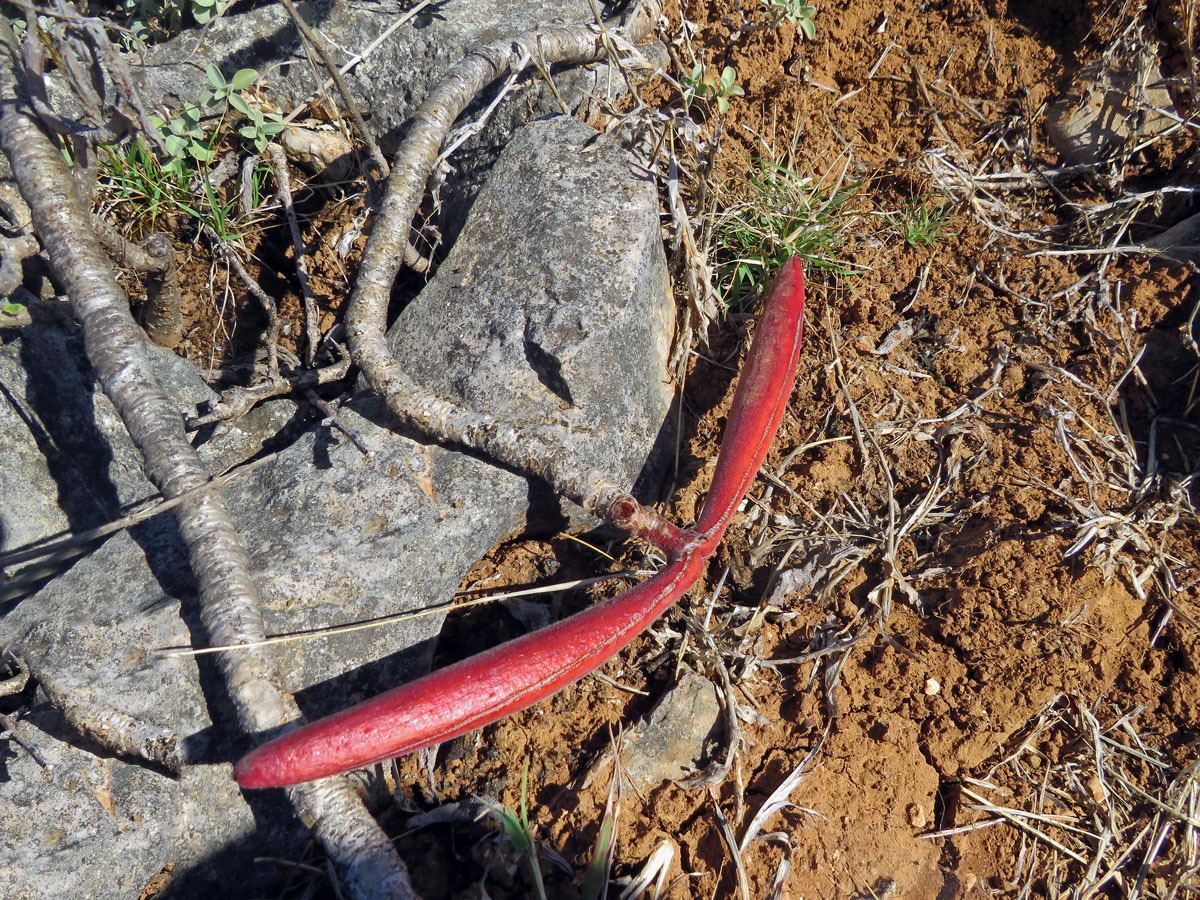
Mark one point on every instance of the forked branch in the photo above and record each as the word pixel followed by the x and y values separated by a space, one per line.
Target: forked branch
pixel 229 601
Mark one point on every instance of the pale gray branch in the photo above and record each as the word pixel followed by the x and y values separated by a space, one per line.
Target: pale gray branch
pixel 366 318
pixel 229 601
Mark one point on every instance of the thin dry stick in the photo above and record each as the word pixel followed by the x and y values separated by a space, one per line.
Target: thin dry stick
pixel 9 732
pixel 270 307
pixel 319 45
pixel 723 826
pixel 312 329
pixel 367 316
pixel 337 421
pixel 238 400
pixel 78 543
pixel 292 637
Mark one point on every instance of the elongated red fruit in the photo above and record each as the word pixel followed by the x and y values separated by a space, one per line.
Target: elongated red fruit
pixel 760 399
pixel 512 676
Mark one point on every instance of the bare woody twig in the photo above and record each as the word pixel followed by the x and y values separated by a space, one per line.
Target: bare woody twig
pixel 336 421
pixel 312 330
pixel 237 401
pixel 113 729
pixel 367 315
pixel 229 601
pixel 319 45
pixel 9 732
pixel 270 307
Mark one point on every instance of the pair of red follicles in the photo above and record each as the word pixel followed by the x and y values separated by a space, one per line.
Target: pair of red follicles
pixel 484 688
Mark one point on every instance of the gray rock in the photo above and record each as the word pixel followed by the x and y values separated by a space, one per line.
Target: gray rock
pixel 68 464
pixel 1180 242
pixel 1111 105
pixel 553 304
pixel 673 741
pixel 583 321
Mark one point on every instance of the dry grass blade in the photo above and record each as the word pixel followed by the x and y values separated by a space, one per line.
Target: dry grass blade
pixel 170 652
pixel 654 871
pixel 599 870
pixel 779 799
pixel 743 880
pixel 1125 812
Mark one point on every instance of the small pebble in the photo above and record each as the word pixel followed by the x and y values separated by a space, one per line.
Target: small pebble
pixel 932 687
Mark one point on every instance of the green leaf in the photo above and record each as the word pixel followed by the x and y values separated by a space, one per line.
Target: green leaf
pixel 243 78
pixel 238 102
pixel 13 309
pixel 215 78
pixel 249 132
pixel 809 29
pixel 593 882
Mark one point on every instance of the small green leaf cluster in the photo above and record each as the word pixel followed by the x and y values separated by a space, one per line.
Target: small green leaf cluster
pixel 155 19
pixel 698 85
pixel 798 12
pixel 923 222
pixel 259 128
pixel 184 139
pixel 783 214
pixel 184 135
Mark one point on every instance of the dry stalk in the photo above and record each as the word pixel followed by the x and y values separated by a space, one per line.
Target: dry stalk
pixel 9 732
pixel 57 552
pixel 1125 816
pixel 265 300
pixel 237 401
pixel 312 329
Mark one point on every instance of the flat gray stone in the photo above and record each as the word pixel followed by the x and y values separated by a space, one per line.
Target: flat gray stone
pixel 1111 105
pixel 553 304
pixel 674 740
pixel 1180 242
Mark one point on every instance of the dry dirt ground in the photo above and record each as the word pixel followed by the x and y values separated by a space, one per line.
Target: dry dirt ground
pixel 970 567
